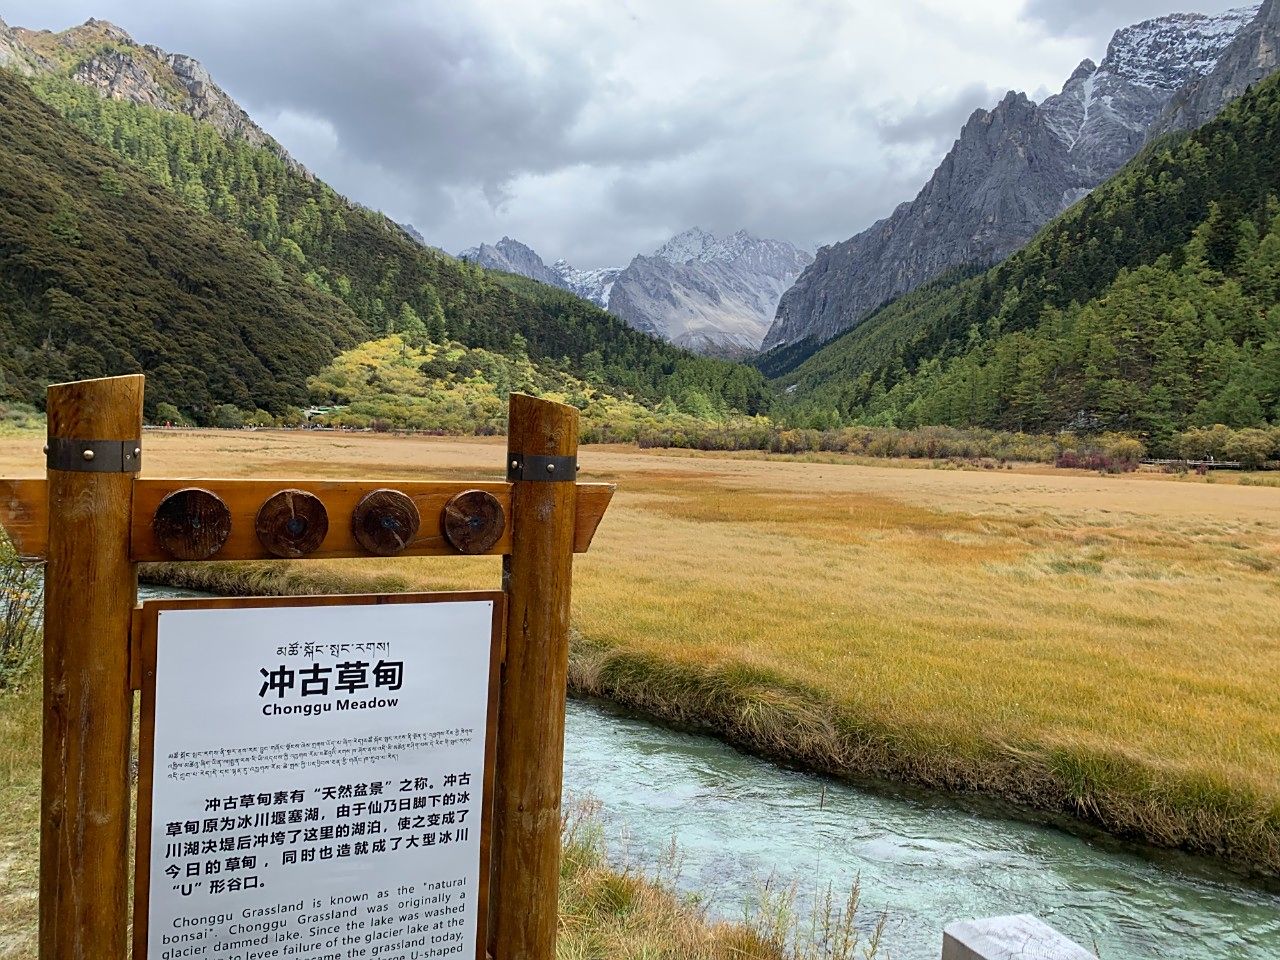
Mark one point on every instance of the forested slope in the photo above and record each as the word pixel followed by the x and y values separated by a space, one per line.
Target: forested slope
pixel 104 272
pixel 388 281
pixel 1148 306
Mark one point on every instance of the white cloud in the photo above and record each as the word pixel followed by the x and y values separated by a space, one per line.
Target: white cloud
pixel 593 129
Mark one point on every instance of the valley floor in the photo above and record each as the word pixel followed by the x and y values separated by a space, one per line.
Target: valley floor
pixel 1098 646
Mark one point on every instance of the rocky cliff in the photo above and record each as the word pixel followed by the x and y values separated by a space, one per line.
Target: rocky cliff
pixel 1012 169
pixel 1253 54
pixel 104 57
pixel 513 256
pixel 710 294
pixel 15 55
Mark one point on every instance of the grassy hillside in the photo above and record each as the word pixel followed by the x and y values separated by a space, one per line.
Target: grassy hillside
pixel 1148 306
pixel 381 276
pixel 104 272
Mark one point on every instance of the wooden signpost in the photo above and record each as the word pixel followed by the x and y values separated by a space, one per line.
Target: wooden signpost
pixel 94 520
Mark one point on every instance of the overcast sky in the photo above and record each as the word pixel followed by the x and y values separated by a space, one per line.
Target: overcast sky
pixel 593 130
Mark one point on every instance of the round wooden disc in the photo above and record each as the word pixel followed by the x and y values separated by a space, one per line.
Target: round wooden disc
pixel 385 522
pixel 192 524
pixel 473 521
pixel 292 523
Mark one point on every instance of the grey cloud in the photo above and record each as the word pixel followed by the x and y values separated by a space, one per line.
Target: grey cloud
pixel 1098 19
pixel 938 122
pixel 566 130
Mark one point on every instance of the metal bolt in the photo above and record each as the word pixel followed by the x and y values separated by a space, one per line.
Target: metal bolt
pixel 88 454
pixel 551 468
pixel 137 451
pixel 515 464
pixel 46 449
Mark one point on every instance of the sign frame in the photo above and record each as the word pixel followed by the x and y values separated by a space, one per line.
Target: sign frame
pixel 147 640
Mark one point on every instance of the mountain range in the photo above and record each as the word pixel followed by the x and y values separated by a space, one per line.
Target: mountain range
pixel 1148 307
pixel 713 295
pixel 1016 166
pixel 149 224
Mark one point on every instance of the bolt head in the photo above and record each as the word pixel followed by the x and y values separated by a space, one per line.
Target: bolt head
pixel 88 454
pixel 137 451
pixel 551 468
pixel 46 449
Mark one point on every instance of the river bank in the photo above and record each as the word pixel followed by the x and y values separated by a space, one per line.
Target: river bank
pixel 1102 647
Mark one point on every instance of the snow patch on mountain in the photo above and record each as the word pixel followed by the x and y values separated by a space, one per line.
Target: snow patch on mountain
pixel 707 293
pixel 594 285
pixel 1167 52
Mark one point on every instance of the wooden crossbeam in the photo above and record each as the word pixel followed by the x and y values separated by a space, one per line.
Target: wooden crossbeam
pixel 24 514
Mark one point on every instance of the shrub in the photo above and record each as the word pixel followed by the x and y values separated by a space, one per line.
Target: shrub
pixel 1123 452
pixel 21 600
pixel 227 416
pixel 1250 446
pixel 167 413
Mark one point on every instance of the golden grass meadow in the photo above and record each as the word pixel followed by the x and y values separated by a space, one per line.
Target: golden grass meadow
pixel 1103 647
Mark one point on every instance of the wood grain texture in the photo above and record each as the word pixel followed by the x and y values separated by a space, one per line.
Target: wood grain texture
pixel 473 521
pixel 192 524
pixel 592 501
pixel 91 588
pixel 385 522
pixel 291 524
pixel 24 512
pixel 531 715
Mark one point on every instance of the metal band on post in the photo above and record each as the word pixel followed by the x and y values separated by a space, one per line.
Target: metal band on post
pixel 93 456
pixel 521 466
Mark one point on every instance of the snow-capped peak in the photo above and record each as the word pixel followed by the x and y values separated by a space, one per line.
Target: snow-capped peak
pixel 1166 52
pixel 688 245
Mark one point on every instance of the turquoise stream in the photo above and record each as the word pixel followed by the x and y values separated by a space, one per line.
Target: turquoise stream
pixel 924 860
pixel 739 821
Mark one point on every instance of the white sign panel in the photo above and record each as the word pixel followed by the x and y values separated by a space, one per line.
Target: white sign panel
pixel 318 781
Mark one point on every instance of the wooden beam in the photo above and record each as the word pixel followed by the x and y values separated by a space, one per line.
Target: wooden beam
pixel 91 587
pixel 531 712
pixel 593 501
pixel 340 498
pixel 24 514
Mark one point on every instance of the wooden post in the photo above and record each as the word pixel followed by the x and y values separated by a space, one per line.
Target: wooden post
pixel 536 576
pixel 90 592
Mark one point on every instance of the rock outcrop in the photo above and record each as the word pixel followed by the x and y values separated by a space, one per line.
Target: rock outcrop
pixel 714 295
pixel 513 256
pixel 1252 55
pixel 104 57
pixel 702 292
pixel 1012 169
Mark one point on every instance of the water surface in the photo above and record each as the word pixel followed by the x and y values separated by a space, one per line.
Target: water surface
pixel 925 861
